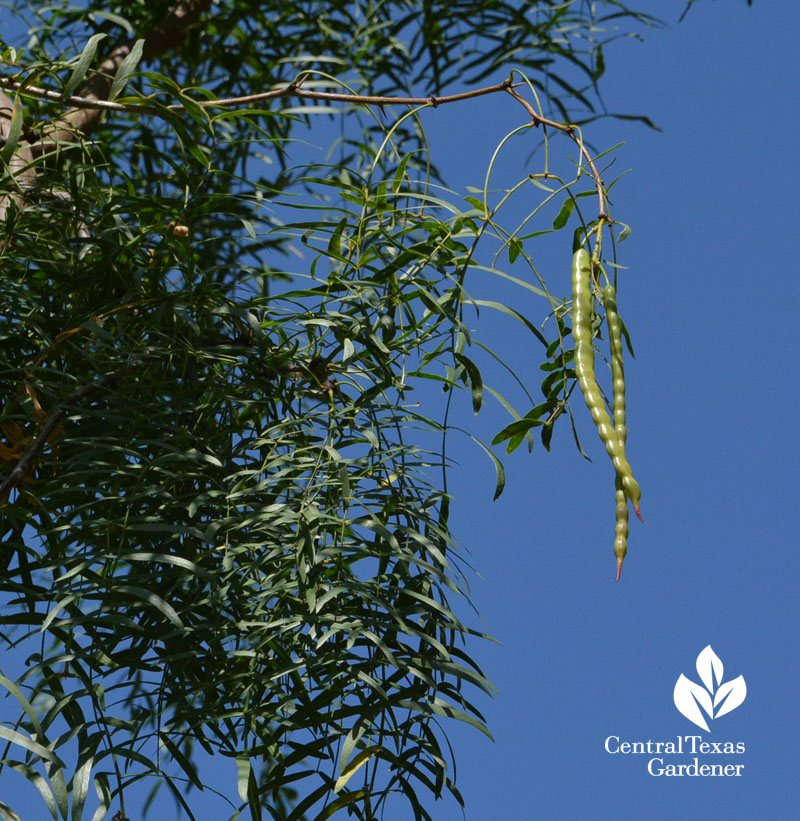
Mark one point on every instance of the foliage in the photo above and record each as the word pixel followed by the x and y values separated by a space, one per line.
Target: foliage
pixel 225 514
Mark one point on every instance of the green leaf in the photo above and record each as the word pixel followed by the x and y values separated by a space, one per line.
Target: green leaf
pixel 600 63
pixel 547 435
pixel 341 801
pixel 335 242
pixel 515 441
pixel 197 152
pixel 254 797
pixel 152 598
pixel 83 776
pixel 243 768
pixel 476 203
pixel 564 214
pixel 498 466
pixel 519 427
pixel 399 174
pixel 59 787
pixel 514 249
pixel 474 379
pixel 82 66
pixel 552 384
pixel 125 70
pixel 626 336
pixel 56 610
pixel 166 558
pixel 29 744
pixel 248 226
pixel 353 766
pixel 197 112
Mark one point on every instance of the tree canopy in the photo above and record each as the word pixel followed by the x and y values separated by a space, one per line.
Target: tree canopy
pixel 224 512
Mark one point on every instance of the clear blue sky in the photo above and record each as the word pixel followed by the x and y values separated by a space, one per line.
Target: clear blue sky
pixel 710 300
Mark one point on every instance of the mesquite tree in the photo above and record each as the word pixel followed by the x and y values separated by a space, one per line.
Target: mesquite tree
pixel 224 517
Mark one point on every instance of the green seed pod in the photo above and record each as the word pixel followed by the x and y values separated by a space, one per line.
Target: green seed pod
pixel 584 368
pixel 618 380
pixel 617 367
pixel 621 529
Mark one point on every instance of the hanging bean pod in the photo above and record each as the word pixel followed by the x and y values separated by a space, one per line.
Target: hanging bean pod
pixel 621 527
pixel 618 382
pixel 617 367
pixel 584 369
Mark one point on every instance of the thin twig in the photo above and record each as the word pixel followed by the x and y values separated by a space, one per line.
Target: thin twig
pixel 569 130
pixel 290 90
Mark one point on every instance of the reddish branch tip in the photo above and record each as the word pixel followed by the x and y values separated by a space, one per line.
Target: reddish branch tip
pixel 638 512
pixel 619 569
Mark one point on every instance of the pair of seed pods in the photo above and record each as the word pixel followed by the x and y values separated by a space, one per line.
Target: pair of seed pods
pixel 612 434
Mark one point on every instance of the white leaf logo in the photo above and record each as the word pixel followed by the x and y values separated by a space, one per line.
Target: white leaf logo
pixel 709 666
pixel 729 696
pixel 714 697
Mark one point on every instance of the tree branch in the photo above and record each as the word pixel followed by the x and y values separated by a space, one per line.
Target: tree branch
pixel 95 104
